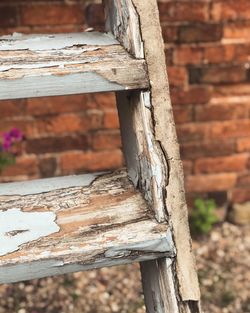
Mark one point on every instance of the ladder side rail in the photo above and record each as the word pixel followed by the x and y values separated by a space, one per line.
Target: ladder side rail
pixel 152 155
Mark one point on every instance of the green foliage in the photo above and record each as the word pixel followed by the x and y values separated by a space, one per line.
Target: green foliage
pixel 202 217
pixel 6 159
pixel 227 297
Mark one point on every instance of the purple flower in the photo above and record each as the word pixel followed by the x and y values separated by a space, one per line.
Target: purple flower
pixel 16 134
pixel 9 138
pixel 6 146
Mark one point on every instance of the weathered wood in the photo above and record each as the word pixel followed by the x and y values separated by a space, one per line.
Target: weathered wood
pixel 100 220
pixel 152 154
pixel 49 65
pixel 158 286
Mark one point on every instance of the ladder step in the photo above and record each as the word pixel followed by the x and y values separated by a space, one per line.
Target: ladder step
pixel 69 224
pixel 62 64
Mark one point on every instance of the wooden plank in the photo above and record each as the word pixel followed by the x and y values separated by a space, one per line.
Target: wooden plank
pixel 62 64
pixel 152 155
pixel 66 226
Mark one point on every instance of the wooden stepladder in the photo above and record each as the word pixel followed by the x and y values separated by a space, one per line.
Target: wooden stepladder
pixel 61 225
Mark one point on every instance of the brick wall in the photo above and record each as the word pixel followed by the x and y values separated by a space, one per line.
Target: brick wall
pixel 208 55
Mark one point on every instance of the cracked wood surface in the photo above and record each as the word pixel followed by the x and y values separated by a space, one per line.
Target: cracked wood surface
pixel 102 221
pixel 152 155
pixel 49 65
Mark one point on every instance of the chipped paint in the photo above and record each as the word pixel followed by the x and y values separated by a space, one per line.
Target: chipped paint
pixel 112 257
pixel 152 165
pixel 103 222
pixel 18 228
pixel 162 245
pixel 19 41
pixel 45 268
pixel 123 22
pixel 47 184
pixel 64 64
pixel 4 68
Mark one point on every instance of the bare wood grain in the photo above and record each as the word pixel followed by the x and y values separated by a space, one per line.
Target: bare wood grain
pixel 103 222
pixel 47 65
pixel 152 154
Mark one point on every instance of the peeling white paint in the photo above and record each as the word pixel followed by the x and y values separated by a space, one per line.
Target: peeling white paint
pixel 161 245
pixel 61 64
pixel 44 268
pixel 19 41
pixel 64 64
pixel 147 99
pixel 154 165
pixel 47 184
pixel 17 228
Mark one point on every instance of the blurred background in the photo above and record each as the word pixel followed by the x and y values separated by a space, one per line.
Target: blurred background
pixel 207 44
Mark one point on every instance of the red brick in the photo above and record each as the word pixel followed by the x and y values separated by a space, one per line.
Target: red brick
pixel 193 95
pixel 8 16
pixel 219 54
pixel 213 148
pixel 230 129
pixel 240 195
pixel 221 112
pixel 200 33
pixel 61 124
pixel 230 90
pixel 213 182
pixel 178 76
pixel 227 53
pixel 95 15
pixel 182 114
pixel 243 180
pixel 71 162
pixel 233 163
pixel 51 14
pixel 67 123
pixel 187 167
pixel 237 30
pixel 192 132
pixel 25 166
pixel 103 101
pixel 169 55
pixel 230 10
pixel 111 120
pixel 11 108
pixel 11 30
pixel 170 33
pixel 243 145
pixel 185 55
pixel 217 74
pixel 183 11
pixel 54 105
pixel 57 144
pixel 55 124
pixel 106 140
pixel 57 29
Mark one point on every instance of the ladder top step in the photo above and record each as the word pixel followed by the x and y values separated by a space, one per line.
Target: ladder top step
pixel 58 64
pixel 61 225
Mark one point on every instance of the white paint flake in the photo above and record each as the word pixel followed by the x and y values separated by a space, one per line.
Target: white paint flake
pixel 54 41
pixel 17 228
pixel 47 184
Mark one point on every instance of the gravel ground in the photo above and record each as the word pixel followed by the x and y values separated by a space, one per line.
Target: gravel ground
pixel 223 264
